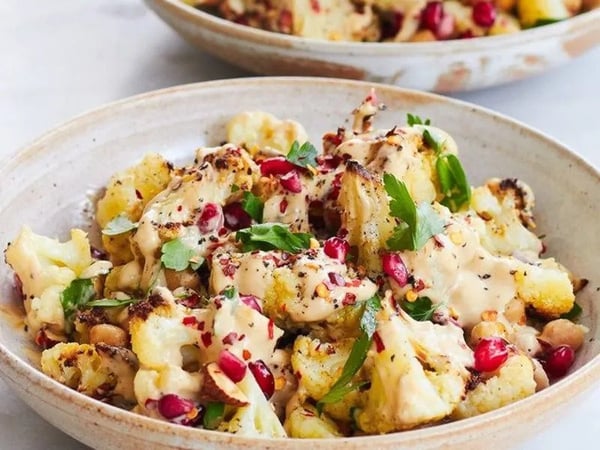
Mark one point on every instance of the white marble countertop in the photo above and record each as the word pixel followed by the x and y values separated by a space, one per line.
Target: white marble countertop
pixel 61 58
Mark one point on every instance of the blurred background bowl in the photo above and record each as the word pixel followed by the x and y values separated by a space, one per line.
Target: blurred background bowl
pixel 441 66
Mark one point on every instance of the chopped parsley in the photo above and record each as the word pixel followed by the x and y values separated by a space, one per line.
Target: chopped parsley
pixel 119 225
pixel 272 236
pixel 304 155
pixel 176 255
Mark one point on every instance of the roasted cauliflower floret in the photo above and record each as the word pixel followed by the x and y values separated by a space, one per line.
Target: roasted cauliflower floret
pixel 46 267
pixel 306 423
pixel 412 382
pixel 532 12
pixel 100 371
pixel 545 289
pixel 261 131
pixel 257 419
pixel 513 382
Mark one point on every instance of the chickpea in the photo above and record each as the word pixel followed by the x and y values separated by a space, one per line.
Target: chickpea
pixel 515 312
pixel 108 334
pixel 563 332
pixel 486 329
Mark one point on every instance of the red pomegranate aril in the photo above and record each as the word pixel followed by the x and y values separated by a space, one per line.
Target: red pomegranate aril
pixel 394 267
pixel 235 217
pixel 252 302
pixel 490 354
pixel 211 218
pixel 484 13
pixel 559 360
pixel 336 248
pixel 277 165
pixel 172 405
pixel 263 376
pixel 336 279
pixel 231 365
pixel 446 28
pixel 431 16
pixel 291 182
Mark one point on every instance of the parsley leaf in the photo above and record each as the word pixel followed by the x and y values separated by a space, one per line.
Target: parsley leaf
pixel 574 313
pixel 176 255
pixel 542 22
pixel 229 292
pixel 432 142
pixel 453 182
pixel 213 415
pixel 111 302
pixel 76 295
pixel 119 225
pixel 253 206
pixel 357 356
pixel 418 225
pixel 302 155
pixel 272 236
pixel 413 119
pixel 421 309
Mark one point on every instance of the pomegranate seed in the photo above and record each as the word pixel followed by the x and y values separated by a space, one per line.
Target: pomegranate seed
pixel 275 166
pixel 231 365
pixel 235 217
pixel 336 279
pixel 172 405
pixel 211 218
pixel 316 7
pixel 329 163
pixel 336 248
pixel 189 301
pixel 270 329
pixel 379 345
pixel 291 182
pixel 263 376
pixel 252 302
pixel 431 16
pixel 394 267
pixel 467 35
pixel 490 354
pixel 190 321
pixel 446 28
pixel 484 13
pixel 349 299
pixel 559 361
pixel 206 338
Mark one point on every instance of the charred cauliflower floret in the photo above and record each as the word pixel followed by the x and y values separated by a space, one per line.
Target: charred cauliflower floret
pixel 513 382
pixel 127 193
pixel 412 382
pixel 305 422
pixel 261 131
pixel 545 289
pixel 45 268
pixel 100 370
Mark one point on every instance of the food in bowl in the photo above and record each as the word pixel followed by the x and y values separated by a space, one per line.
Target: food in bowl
pixel 401 21
pixel 269 289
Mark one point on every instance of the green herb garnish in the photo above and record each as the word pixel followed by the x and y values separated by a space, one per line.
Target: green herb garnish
pixel 573 314
pixel 357 356
pixel 178 256
pixel 76 295
pixel 304 155
pixel 272 236
pixel 253 206
pixel 213 415
pixel 421 309
pixel 453 182
pixel 432 142
pixel 419 223
pixel 542 22
pixel 110 303
pixel 119 225
pixel 229 292
pixel 413 119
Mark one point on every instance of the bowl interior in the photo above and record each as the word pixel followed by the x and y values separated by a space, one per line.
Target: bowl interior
pixel 50 184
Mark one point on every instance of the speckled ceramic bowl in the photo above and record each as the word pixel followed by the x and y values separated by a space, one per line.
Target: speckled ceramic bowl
pixel 447 66
pixel 48 183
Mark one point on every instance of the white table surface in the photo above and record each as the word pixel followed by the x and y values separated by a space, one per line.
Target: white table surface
pixel 61 58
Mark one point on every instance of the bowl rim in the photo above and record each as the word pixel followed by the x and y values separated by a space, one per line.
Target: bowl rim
pixel 111 417
pixel 454 46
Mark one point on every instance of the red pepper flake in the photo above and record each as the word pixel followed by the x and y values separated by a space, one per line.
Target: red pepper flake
pixel 270 329
pixel 543 248
pixel 246 354
pixel 349 299
pixel 241 337
pixel 179 208
pixel 418 285
pixel 438 242
pixel 43 341
pixel 298 375
pixel 190 321
pixel 285 21
pixel 336 186
pixel 139 195
pixel 19 286
pixel 353 283
pixel 336 279
pixel 206 338
pixel 222 232
pixel 283 206
pixel 230 338
pixel 379 345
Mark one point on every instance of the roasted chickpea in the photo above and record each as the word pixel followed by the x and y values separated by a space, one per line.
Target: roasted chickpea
pixel 563 332
pixel 108 334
